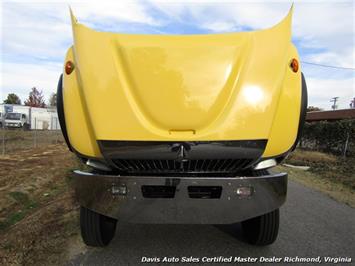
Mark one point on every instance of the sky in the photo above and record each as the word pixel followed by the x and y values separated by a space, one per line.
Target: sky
pixel 35 36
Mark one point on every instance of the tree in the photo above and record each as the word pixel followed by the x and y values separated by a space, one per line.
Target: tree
pixel 313 109
pixel 35 98
pixel 12 98
pixel 53 100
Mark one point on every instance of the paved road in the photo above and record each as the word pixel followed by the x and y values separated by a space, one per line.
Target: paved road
pixel 312 225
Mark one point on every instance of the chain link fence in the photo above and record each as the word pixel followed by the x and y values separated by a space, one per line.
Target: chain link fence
pixel 39 134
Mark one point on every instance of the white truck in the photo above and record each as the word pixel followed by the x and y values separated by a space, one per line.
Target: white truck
pixel 17 120
pixel 25 117
pixel 17 116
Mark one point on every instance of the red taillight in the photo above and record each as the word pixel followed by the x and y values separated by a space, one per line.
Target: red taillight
pixel 294 65
pixel 69 67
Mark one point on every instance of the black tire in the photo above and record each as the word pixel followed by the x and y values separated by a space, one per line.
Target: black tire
pixel 60 111
pixel 262 230
pixel 303 111
pixel 97 230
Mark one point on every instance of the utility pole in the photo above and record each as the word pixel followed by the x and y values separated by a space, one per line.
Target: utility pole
pixel 334 101
pixel 352 103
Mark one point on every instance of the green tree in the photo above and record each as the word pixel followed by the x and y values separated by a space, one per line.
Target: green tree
pixel 35 98
pixel 313 109
pixel 53 100
pixel 12 98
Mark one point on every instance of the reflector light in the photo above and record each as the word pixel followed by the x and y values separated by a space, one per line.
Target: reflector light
pixel 294 65
pixel 69 67
pixel 244 191
pixel 119 190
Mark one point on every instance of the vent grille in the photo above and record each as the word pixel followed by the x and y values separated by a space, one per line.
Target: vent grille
pixel 185 166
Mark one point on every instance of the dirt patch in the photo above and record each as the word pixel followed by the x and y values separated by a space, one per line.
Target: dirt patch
pixel 38 213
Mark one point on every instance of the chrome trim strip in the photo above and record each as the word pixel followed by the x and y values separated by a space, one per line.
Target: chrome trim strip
pixel 94 192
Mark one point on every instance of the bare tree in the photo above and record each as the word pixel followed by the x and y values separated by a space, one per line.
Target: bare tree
pixel 35 98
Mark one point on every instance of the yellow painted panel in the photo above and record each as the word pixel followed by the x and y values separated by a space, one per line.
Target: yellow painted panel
pixel 235 86
pixel 285 124
pixel 78 126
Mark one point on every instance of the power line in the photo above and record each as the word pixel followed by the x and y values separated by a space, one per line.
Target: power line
pixel 330 66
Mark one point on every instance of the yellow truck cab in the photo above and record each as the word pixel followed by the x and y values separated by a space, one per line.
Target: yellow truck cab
pixel 181 129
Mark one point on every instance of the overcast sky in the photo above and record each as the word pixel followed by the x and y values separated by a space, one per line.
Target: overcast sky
pixel 36 34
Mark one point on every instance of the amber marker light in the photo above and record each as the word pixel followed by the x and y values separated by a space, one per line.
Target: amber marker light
pixel 69 67
pixel 294 65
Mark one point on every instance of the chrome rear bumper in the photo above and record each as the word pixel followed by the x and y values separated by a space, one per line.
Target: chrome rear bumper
pixel 125 197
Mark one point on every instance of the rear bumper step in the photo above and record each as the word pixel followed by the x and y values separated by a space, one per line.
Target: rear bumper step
pixel 186 200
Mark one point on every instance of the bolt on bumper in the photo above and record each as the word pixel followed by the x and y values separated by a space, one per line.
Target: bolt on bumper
pixel 180 200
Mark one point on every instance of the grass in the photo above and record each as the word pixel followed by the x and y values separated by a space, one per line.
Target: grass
pixel 22 199
pixel 336 191
pixel 38 214
pixel 12 219
pixel 329 174
pixel 327 167
pixel 24 203
pixel 19 197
